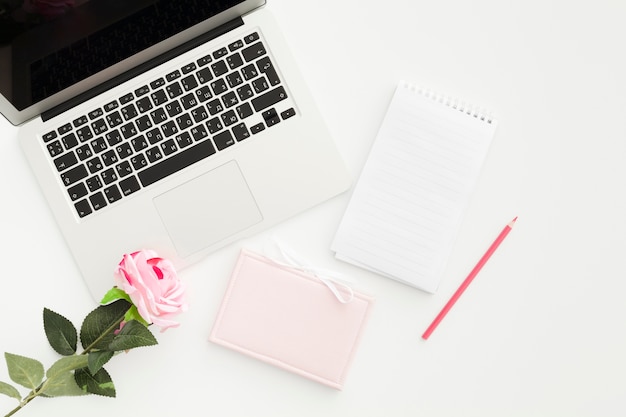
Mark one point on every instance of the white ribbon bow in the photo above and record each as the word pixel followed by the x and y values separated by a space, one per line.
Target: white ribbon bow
pixel 331 279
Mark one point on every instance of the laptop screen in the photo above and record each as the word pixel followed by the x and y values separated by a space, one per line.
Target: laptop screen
pixel 47 46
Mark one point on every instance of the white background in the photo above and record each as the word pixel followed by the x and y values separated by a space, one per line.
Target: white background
pixel 540 332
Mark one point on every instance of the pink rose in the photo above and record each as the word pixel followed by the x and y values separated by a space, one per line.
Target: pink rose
pixel 153 287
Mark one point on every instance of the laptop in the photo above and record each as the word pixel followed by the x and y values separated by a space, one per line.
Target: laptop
pixel 175 125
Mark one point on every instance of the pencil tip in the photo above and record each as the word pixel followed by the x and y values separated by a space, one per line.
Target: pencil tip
pixel 513 222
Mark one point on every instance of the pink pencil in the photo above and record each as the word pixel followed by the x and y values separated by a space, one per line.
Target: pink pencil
pixel 469 279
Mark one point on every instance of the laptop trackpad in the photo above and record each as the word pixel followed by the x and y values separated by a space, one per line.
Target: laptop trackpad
pixel 207 209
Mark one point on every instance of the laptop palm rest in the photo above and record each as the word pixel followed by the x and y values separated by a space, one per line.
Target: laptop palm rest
pixel 208 209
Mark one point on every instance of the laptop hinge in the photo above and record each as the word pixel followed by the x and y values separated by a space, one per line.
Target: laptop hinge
pixel 138 70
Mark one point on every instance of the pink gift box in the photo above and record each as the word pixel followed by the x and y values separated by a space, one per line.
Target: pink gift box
pixel 290 319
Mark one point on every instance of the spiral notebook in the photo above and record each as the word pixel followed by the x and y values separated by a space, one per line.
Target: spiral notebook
pixel 408 204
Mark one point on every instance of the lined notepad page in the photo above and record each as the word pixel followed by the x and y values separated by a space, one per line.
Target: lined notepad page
pixel 407 206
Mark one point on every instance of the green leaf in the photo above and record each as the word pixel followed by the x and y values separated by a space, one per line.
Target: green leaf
pixel 115 294
pixel 98 359
pixel 10 390
pixel 99 384
pixel 24 371
pixel 133 314
pixel 61 385
pixel 60 332
pixel 67 364
pixel 132 335
pixel 97 330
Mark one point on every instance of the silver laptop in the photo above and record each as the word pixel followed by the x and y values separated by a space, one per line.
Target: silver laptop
pixel 175 125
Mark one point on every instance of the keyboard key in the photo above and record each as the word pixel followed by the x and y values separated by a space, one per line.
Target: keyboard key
pixel 176 163
pixel 199 114
pixel 183 140
pixel 288 113
pixel 49 136
pixel 99 127
pixel 129 112
pixel 93 183
pixel 143 123
pixel 123 169
pixel 199 133
pixel 220 53
pixel 154 136
pixel 271 117
pixel 128 130
pixel 98 201
pixel 154 154
pixel 189 83
pixel 173 76
pixel 203 94
pixel 83 152
pixel 189 101
pixel 266 67
pixel 109 176
pixel 129 185
pixel 241 132
pixel 114 119
pixel 234 79
pixel 214 125
pixel 64 129
pixel 84 134
pixel 244 110
pixel 224 140
pixel 94 165
pixel 235 45
pixel 259 127
pixel 173 108
pixel 142 91
pixel 124 150
pixel 113 138
pixel 80 121
pixel 229 118
pixel 269 99
pixel 219 86
pixel 112 194
pixel 82 208
pixel 174 90
pixel 109 158
pixel 111 106
pixel 159 82
pixel 99 145
pixel 168 147
pixel 204 61
pixel 94 114
pixel 260 85
pixel 55 148
pixel 169 128
pixel 245 92
pixel 126 98
pixel 219 68
pixel 251 37
pixel 159 97
pixel 229 99
pixel 249 72
pixel 77 191
pixel 144 104
pixel 65 161
pixel 138 162
pixel 234 61
pixel 204 75
pixel 253 52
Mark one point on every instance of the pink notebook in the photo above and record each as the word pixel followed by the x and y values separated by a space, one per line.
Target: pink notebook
pixel 290 319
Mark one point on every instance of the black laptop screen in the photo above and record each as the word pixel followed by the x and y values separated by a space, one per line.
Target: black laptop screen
pixel 49 45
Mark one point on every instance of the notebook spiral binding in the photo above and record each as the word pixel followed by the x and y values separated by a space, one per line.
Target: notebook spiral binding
pixel 469 109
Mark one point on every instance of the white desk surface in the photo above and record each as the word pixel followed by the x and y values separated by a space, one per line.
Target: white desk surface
pixel 540 332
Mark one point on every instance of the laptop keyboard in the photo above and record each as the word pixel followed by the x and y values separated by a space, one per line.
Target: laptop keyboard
pixel 174 121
